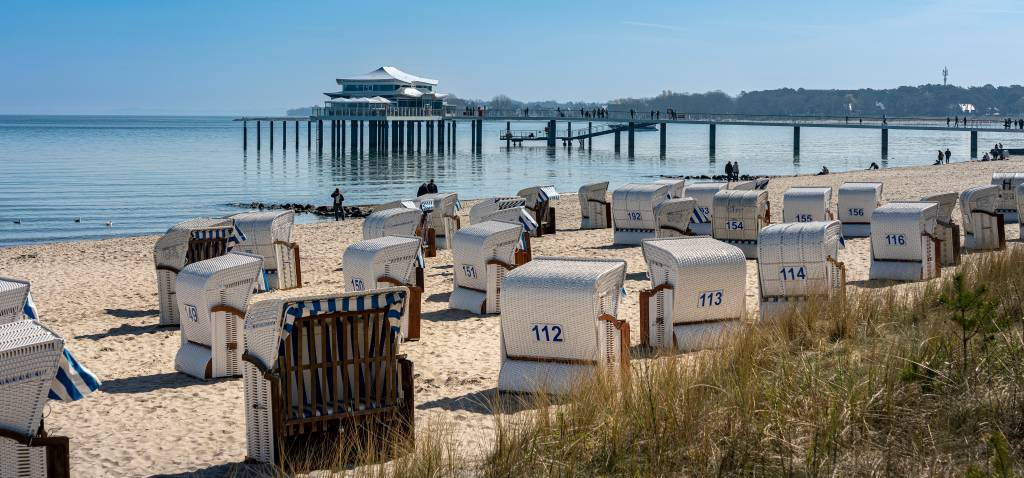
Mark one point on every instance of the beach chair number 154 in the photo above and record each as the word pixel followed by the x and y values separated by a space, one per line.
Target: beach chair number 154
pixel 734 225
pixel 547 332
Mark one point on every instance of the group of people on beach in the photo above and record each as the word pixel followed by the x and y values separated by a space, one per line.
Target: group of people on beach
pixel 427 188
pixel 997 153
pixel 732 171
pixel 943 157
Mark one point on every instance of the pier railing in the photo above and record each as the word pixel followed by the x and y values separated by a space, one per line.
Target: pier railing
pixel 381 111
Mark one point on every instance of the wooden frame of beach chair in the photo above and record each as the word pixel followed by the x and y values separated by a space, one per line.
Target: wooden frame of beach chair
pixel 698 292
pixel 945 229
pixel 738 217
pixel 385 262
pixel 797 260
pixel 595 209
pixel 29 354
pixel 559 322
pixel 305 390
pixel 807 204
pixel 184 243
pixel 13 294
pixel 212 295
pixel 269 234
pixel 673 217
pixel 855 202
pixel 984 228
pixel 538 202
pixel 633 211
pixel 490 248
pixel 1007 203
pixel 904 244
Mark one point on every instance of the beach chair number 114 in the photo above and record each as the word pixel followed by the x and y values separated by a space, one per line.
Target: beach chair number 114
pixel 793 273
pixel 547 332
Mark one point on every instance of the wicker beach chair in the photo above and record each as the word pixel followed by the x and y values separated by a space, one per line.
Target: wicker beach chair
pixel 704 194
pixel 212 296
pixel 983 226
pixel 1007 203
pixel 442 217
pixel 514 212
pixel 35 367
pixel 595 210
pixel 14 300
pixel 388 261
pixel 268 234
pixel 797 260
pixel 485 209
pixel 738 216
pixel 401 221
pixel 673 217
pixel 559 321
pixel 482 255
pixel 698 292
pixel 676 186
pixel 945 229
pixel 807 204
pixel 856 203
pixel 187 242
pixel 319 369
pixel 633 215
pixel 540 202
pixel 904 245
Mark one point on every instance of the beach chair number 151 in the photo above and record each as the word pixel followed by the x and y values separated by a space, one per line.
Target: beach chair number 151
pixel 547 332
pixel 469 270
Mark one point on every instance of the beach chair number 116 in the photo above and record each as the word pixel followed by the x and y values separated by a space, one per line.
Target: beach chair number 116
pixel 547 333
pixel 896 239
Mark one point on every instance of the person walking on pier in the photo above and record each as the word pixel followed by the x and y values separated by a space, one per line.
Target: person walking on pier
pixel 947 121
pixel 956 121
pixel 948 154
pixel 339 210
pixel 728 171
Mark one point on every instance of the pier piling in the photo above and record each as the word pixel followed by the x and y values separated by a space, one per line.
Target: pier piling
pixel 508 134
pixel 440 136
pixel 568 135
pixel 360 129
pixel 284 135
pixel 245 135
pixel 271 136
pixel 663 129
pixel 551 133
pixel 479 136
pixel 296 135
pixel 590 135
pixel 309 135
pixel 885 143
pixel 796 141
pixel 974 144
pixel 257 135
pixel 629 139
pixel 711 139
pixel 320 136
pixel 618 142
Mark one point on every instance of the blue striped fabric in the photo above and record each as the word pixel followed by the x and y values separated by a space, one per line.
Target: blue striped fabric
pixel 233 234
pixel 426 206
pixel 30 310
pixel 842 242
pixel 700 216
pixel 528 222
pixel 420 260
pixel 547 193
pixel 73 381
pixel 458 204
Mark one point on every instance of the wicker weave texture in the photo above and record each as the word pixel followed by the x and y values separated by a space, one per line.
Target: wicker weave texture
pixel 13 293
pixel 592 212
pixel 171 250
pixel 399 221
pixel 390 256
pixel 676 186
pixel 227 280
pixel 857 201
pixel 474 245
pixel 673 216
pixel 633 206
pixel 1007 183
pixel 807 204
pixel 488 207
pixel 704 194
pixel 978 208
pixel 946 202
pixel 896 229
pixel 29 355
pixel 738 215
pixel 793 259
pixel 442 217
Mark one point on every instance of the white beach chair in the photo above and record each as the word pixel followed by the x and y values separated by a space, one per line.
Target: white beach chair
pixel 633 215
pixel 482 254
pixel 441 209
pixel 903 242
pixel 673 217
pixel 807 204
pixel 595 210
pixel 399 221
pixel 1008 184
pixel 486 208
pixel 945 229
pixel 34 368
pixel 857 201
pixel 212 296
pixel 319 365
pixel 387 262
pixel 184 243
pixel 704 194
pixel 268 234
pixel 676 186
pixel 559 321
pixel 539 201
pixel 698 292
pixel 983 226
pixel 738 216
pixel 797 260
pixel 14 296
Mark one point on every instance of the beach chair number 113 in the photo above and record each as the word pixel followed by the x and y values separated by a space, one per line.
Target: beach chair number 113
pixel 547 332
pixel 710 298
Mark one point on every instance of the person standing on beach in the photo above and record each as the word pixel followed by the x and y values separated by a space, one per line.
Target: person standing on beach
pixel 940 157
pixel 422 190
pixel 736 171
pixel 431 187
pixel 339 211
pixel 728 171
pixel 948 154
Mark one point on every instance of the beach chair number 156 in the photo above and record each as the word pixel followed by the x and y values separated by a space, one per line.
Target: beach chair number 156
pixel 856 211
pixel 547 333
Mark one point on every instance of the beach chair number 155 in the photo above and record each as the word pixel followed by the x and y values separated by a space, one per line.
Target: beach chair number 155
pixel 547 332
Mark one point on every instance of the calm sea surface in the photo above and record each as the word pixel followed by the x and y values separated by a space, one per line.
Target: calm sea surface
pixel 143 174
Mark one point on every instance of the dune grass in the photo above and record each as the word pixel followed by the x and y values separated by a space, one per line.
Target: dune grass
pixel 888 381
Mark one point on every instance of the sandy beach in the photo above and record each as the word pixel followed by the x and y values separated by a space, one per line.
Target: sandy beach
pixel 149 419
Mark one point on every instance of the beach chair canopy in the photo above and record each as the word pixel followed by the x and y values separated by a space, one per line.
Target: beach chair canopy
pixel 738 215
pixel 261 229
pixel 537 195
pixel 856 203
pixel 595 210
pixel 1008 184
pixel 946 203
pixel 633 205
pixel 703 194
pixel 799 259
pixel 14 300
pixel 173 248
pixel 481 255
pixel 488 206
pixel 673 217
pixel 676 186
pixel 807 204
pixel 399 221
pixel 392 257
pixel 982 224
pixel 904 245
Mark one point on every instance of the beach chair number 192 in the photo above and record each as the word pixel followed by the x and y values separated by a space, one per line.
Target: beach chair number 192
pixel 547 332
pixel 634 215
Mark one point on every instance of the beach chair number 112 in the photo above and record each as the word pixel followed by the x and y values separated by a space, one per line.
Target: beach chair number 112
pixel 547 332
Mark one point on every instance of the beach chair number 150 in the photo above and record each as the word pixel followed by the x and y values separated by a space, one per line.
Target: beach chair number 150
pixel 547 332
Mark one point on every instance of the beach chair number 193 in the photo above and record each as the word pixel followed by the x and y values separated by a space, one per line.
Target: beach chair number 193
pixel 710 298
pixel 547 332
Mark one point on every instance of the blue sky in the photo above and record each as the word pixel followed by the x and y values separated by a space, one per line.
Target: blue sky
pixel 254 57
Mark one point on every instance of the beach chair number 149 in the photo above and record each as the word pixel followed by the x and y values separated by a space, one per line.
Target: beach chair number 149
pixel 547 332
